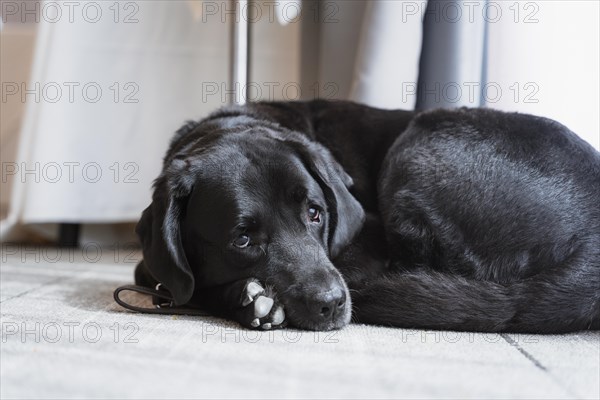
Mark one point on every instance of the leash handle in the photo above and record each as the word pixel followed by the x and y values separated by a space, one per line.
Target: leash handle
pixel 161 299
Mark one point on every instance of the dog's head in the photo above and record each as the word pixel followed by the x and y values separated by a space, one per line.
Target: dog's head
pixel 254 201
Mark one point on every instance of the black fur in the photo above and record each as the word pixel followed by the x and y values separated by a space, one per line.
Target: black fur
pixel 467 219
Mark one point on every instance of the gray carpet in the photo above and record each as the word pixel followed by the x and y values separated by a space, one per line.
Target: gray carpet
pixel 63 337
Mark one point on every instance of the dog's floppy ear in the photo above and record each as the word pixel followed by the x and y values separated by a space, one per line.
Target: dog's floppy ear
pixel 160 233
pixel 346 213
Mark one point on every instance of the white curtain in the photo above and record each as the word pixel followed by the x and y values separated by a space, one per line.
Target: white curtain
pixel 534 57
pixel 109 96
pixel 544 58
pixel 387 64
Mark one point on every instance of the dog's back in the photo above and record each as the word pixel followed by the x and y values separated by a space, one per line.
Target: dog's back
pixel 502 211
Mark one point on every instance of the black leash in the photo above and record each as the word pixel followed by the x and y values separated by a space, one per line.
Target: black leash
pixel 161 299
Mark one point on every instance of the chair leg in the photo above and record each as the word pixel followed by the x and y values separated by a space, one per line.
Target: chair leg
pixel 68 235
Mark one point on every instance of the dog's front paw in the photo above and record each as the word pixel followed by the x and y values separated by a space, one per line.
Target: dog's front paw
pixel 259 308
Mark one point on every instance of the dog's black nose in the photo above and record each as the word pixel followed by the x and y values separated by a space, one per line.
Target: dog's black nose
pixel 330 302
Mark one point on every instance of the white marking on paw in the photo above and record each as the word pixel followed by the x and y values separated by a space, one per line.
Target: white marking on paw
pixel 278 316
pixel 262 306
pixel 253 289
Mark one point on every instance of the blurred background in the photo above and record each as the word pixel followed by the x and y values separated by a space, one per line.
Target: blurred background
pixel 92 91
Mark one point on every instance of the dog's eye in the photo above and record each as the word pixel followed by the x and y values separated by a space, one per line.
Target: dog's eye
pixel 314 215
pixel 242 241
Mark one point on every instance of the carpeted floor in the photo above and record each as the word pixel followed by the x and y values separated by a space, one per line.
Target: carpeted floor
pixel 63 337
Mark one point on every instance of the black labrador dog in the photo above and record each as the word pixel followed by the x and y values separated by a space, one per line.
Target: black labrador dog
pixel 310 213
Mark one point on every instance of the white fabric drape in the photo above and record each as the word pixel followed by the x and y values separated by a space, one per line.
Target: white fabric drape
pixel 387 63
pixel 539 57
pixel 109 96
pixel 543 59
